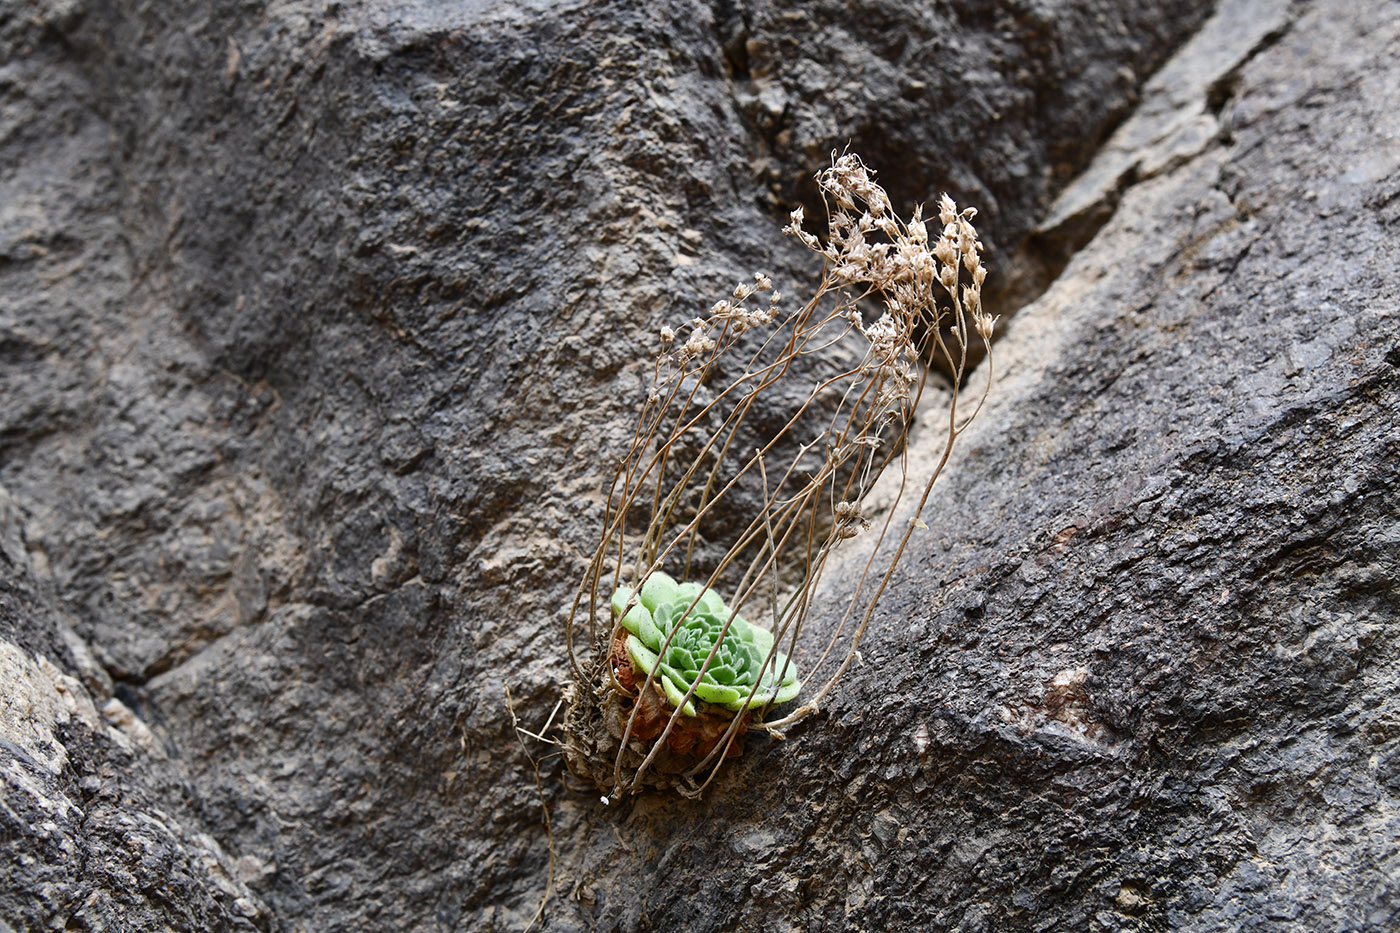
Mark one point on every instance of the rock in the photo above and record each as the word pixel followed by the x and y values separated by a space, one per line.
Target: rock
pixel 100 830
pixel 321 323
pixel 1137 675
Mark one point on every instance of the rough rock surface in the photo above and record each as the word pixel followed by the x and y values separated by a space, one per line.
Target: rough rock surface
pixel 97 823
pixel 318 322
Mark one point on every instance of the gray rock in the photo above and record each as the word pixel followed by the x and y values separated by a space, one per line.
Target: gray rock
pixel 321 326
pixel 99 827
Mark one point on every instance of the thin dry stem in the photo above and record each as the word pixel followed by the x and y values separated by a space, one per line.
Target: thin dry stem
pixel 539 790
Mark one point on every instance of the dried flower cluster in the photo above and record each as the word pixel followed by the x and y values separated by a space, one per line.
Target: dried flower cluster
pixel 691 467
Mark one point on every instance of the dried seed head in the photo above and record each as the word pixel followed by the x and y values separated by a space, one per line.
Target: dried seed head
pixel 945 251
pixel 972 299
pixel 985 324
pixel 696 344
pixel 947 210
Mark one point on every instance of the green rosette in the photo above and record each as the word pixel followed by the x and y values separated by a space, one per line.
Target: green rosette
pixel 689 620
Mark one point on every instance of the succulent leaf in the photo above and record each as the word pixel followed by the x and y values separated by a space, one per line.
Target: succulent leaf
pixel 762 639
pixel 620 598
pixel 709 600
pixel 642 658
pixel 787 691
pixel 676 696
pixel 636 619
pixel 659 588
pixel 713 693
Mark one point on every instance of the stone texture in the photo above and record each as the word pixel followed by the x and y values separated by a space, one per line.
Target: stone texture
pixel 97 823
pixel 320 320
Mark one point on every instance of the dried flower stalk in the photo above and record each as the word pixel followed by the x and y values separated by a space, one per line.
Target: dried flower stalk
pixel 690 464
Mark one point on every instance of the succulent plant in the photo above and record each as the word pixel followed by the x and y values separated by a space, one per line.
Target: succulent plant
pixel 738 667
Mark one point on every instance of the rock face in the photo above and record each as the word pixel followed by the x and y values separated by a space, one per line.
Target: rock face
pixel 319 325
